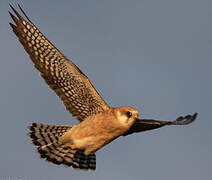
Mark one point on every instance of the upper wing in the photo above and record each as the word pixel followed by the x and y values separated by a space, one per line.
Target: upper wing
pixel 64 77
pixel 148 124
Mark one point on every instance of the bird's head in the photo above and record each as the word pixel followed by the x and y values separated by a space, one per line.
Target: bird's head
pixel 126 116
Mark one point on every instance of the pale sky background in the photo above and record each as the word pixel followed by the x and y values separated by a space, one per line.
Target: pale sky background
pixel 154 55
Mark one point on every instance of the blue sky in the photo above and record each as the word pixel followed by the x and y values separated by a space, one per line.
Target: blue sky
pixel 152 55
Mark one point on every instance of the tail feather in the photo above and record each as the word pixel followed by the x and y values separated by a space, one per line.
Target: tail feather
pixel 46 138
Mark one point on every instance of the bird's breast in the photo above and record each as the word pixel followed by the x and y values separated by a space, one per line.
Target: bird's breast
pixel 95 132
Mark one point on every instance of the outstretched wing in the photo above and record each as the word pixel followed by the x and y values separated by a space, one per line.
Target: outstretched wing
pixel 149 124
pixel 63 77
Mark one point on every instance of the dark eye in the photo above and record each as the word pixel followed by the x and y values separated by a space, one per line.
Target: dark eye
pixel 129 114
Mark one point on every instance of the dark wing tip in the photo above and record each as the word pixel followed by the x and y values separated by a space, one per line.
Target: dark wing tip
pixel 13 17
pixel 10 6
pixel 12 25
pixel 17 14
pixel 185 120
pixel 24 13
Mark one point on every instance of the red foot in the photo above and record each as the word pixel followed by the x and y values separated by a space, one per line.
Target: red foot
pixel 73 148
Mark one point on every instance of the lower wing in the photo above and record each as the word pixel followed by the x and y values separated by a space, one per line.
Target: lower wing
pixel 149 124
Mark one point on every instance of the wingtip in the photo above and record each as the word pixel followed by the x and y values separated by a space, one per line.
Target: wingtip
pixel 185 120
pixel 10 6
pixel 19 5
pixel 13 17
pixel 195 116
pixel 16 12
pixel 10 13
pixel 24 13
pixel 12 25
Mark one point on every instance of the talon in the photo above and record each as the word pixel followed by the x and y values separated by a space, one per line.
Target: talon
pixel 73 147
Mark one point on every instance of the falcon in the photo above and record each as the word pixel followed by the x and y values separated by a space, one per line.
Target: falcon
pixel 99 124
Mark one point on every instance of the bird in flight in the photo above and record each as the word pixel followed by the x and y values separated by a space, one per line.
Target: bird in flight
pixel 99 124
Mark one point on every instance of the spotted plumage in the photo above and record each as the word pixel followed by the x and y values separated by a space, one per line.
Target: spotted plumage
pixel 68 82
pixel 99 124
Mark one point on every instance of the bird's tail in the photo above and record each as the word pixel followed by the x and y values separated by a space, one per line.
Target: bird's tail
pixel 46 138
